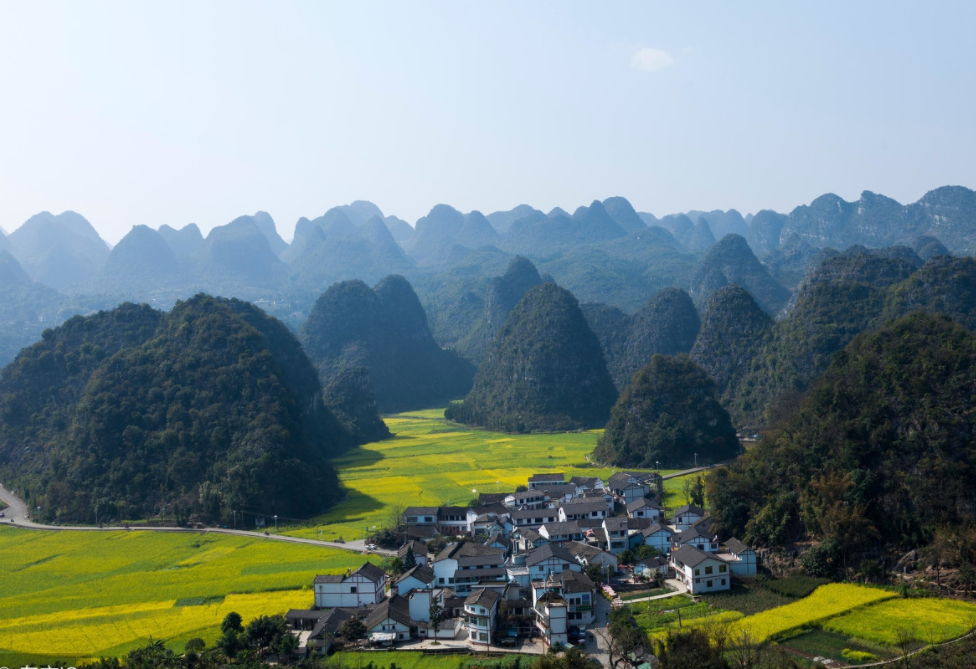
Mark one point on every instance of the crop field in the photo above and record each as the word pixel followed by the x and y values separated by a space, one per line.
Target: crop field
pixel 826 601
pixel 108 592
pixel 928 620
pixel 432 462
pixel 414 660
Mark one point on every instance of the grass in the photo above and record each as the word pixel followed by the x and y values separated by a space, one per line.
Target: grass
pixel 826 602
pixel 832 645
pixel 640 594
pixel 414 660
pixel 431 462
pixel 928 620
pixel 747 598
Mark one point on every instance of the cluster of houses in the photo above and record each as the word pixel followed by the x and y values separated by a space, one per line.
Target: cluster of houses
pixel 517 562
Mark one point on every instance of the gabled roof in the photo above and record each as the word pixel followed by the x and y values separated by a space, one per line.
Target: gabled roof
pixel 395 608
pixel 546 551
pixel 653 562
pixel 560 490
pixel 420 572
pixel 330 623
pixel 420 511
pixel 528 534
pixel 554 529
pixel 445 511
pixel 736 546
pixel 615 524
pixel 528 494
pixel 329 578
pixel 542 478
pixel 578 548
pixel 694 532
pixel 639 523
pixel 584 506
pixel 657 527
pixel 690 555
pixel 690 508
pixel 467 549
pixel 535 513
pixel 641 503
pixel 486 598
pixel 585 481
pixel 574 581
pixel 419 548
pixel 371 572
pixel 621 478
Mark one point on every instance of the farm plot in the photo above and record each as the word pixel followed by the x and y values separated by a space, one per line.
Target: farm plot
pixel 431 462
pixel 825 602
pixel 899 620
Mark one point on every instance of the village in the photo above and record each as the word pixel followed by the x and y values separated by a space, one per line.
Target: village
pixel 526 571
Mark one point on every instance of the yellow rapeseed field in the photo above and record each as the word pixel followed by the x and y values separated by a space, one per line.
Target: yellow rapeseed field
pixel 90 632
pixel 928 620
pixel 825 602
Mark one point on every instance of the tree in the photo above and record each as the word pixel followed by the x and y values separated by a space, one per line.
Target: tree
pixel 409 560
pixel 265 631
pixel 394 517
pixel 230 643
pixel 396 566
pixel 436 616
pixel 626 557
pixel 353 629
pixel 232 623
pixel 698 491
pixel 521 487
pixel 287 644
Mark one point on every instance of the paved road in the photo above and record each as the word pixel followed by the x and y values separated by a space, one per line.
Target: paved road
pixel 694 470
pixel 16 515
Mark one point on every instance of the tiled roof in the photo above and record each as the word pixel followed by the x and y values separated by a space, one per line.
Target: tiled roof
pixel 615 524
pixel 329 578
pixel 539 478
pixel 584 506
pixel 585 481
pixel 689 555
pixel 657 527
pixel 535 513
pixel 641 503
pixel 736 546
pixel 371 572
pixel 420 572
pixel 419 548
pixel 690 508
pixel 420 511
pixel 484 597
pixel 546 551
pixel 555 529
pixel 395 608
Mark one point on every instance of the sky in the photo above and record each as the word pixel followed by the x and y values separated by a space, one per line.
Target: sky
pixel 178 112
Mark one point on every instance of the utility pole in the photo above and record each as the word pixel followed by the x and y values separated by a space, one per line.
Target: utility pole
pixel 696 460
pixel 276 523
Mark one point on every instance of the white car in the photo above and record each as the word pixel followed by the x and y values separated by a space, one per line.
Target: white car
pixel 371 547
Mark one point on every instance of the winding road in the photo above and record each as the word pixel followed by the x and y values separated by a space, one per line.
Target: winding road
pixel 17 516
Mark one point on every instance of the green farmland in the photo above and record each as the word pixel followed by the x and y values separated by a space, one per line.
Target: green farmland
pixel 111 592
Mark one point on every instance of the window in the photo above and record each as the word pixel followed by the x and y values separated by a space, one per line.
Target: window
pixel 721 568
pixel 441 580
pixel 708 584
pixel 708 570
pixel 723 581
pixel 352 589
pixel 697 572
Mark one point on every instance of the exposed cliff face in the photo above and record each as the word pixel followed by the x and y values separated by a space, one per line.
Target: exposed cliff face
pixel 543 371
pixel 667 414
pixel 732 261
pixel 732 336
pixel 384 330
pixel 765 230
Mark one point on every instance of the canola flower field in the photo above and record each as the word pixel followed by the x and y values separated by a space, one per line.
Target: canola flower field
pixel 81 594
pixel 431 462
pixel 928 620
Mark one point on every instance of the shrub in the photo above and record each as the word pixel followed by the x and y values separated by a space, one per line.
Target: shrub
pixel 858 655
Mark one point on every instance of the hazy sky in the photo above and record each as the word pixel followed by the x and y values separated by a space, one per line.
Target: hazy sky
pixel 173 112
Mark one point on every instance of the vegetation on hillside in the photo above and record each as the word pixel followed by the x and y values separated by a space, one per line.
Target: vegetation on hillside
pixel 209 408
pixel 668 413
pixel 544 370
pixel 877 453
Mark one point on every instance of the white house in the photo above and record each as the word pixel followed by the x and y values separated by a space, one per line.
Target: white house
pixel 699 571
pixel 687 516
pixel 390 621
pixel 551 611
pixel 420 515
pixel 452 520
pixel 616 531
pixel 419 549
pixel 587 483
pixel 593 509
pixel 550 559
pixel 628 486
pixel 744 558
pixel 528 499
pixel 534 518
pixel 586 554
pixel 649 566
pixel 659 537
pixel 546 480
pixel 365 585
pixel 466 566
pixel 645 508
pixel 480 613
pixel 561 532
pixel 697 537
pixel 420 577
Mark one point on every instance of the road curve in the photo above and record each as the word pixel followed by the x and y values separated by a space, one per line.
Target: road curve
pixel 17 516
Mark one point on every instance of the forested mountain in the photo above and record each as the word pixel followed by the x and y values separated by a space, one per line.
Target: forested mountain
pixel 733 332
pixel 732 261
pixel 383 329
pixel 208 408
pixel 878 451
pixel 544 370
pixel 667 414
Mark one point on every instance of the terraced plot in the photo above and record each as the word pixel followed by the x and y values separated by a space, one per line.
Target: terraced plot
pixel 927 620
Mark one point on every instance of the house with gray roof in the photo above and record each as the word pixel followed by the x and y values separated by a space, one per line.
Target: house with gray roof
pixel 700 571
pixel 362 587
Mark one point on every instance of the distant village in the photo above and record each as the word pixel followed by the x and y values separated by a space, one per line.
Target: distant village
pixel 524 567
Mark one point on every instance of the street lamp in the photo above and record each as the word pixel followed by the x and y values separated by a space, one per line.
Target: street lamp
pixel 276 523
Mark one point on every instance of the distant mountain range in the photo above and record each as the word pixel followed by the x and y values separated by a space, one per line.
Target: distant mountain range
pixel 605 253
